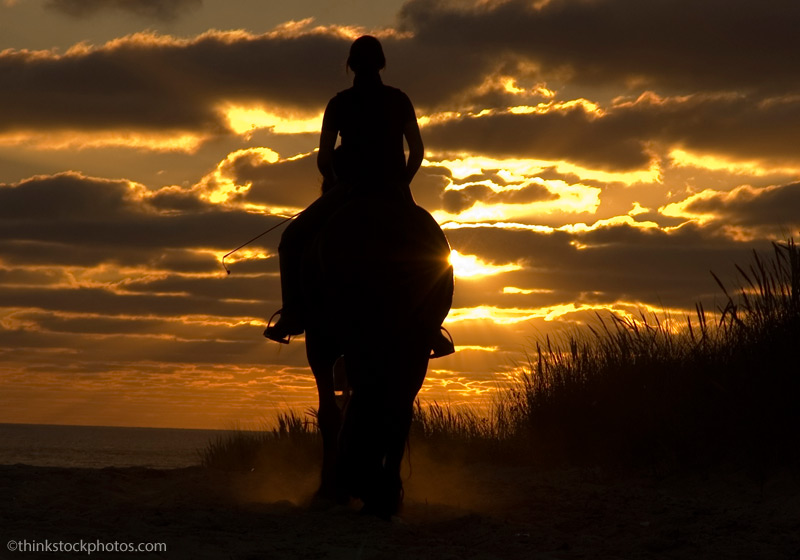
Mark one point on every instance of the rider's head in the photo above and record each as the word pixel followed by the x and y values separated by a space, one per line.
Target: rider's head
pixel 366 55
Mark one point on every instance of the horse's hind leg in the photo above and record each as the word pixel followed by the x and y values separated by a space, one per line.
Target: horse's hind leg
pixel 322 355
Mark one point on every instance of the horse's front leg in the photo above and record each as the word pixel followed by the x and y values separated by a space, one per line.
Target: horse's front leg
pixel 322 355
pixel 385 385
pixel 408 379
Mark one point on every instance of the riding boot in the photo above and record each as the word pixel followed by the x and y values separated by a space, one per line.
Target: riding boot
pixel 290 321
pixel 441 345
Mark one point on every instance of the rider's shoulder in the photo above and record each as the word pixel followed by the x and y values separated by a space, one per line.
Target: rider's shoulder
pixel 351 91
pixel 395 91
pixel 396 96
pixel 352 96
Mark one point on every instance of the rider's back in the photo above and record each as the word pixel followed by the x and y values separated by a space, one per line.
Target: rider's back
pixel 370 117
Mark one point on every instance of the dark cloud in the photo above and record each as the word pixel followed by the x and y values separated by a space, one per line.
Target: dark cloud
pixel 154 316
pixel 109 222
pixel 148 82
pixel 176 199
pixel 777 206
pixel 163 84
pixel 485 175
pixel 294 182
pixel 32 277
pixel 553 174
pixel 679 45
pixel 607 264
pixel 119 348
pixel 103 276
pixel 107 343
pixel 145 82
pixel 183 261
pixel 493 94
pixel 164 10
pixel 94 324
pixel 239 286
pixel 69 219
pixel 624 137
pixel 102 301
pixel 429 185
pixel 83 252
pixel 456 201
pixel 570 134
pixel 65 197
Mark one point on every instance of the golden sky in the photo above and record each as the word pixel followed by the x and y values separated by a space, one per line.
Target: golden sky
pixel 582 157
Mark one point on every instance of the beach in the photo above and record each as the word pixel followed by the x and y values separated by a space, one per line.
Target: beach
pixel 452 511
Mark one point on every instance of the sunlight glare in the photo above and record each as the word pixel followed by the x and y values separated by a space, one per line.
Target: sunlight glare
pixel 59 140
pixel 682 158
pixel 244 120
pixel 471 266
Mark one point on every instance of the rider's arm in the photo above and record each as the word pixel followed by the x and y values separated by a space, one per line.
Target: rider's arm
pixel 416 151
pixel 327 141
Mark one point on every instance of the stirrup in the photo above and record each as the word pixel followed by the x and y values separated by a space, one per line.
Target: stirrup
pixel 269 332
pixel 443 350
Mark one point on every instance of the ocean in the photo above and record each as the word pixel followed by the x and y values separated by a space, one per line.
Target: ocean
pixel 101 446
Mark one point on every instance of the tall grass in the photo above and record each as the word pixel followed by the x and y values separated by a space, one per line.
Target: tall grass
pixel 456 434
pixel 723 386
pixel 718 386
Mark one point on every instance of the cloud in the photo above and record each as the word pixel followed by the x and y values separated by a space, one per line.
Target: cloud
pixel 680 46
pixel 558 135
pixel 542 114
pixel 429 185
pixel 132 250
pixel 770 207
pixel 163 10
pixel 103 301
pixel 600 266
pixel 456 201
pixel 125 279
pixel 629 134
pixel 66 197
pixel 128 342
pixel 154 83
pixel 68 218
pixel 147 82
pixel 293 182
pixel 161 92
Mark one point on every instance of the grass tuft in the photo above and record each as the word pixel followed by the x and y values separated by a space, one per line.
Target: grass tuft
pixel 246 450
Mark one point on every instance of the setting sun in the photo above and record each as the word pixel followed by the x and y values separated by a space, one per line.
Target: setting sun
pixel 471 266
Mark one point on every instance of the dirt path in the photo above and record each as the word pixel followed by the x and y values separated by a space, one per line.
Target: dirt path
pixel 463 512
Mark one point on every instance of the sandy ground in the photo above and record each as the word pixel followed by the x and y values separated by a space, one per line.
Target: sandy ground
pixel 479 511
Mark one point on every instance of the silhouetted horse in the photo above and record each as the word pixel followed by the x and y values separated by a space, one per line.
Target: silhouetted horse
pixel 378 282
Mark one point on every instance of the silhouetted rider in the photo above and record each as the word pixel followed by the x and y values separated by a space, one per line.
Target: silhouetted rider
pixel 372 120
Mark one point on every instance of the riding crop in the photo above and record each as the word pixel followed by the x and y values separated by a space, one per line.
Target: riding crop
pixel 263 233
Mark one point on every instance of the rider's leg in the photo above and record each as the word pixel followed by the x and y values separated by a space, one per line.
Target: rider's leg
pixel 294 241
